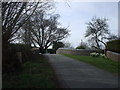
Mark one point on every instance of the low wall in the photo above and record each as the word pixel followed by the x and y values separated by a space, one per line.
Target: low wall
pixel 80 52
pixel 113 55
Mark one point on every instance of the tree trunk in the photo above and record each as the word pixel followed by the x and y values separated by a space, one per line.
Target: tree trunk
pixel 42 50
pixel 98 46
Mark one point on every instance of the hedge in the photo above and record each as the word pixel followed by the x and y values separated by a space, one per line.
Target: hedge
pixel 113 46
pixel 25 49
pixel 10 59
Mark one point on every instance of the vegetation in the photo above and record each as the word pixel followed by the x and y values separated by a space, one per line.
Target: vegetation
pixel 10 58
pixel 37 73
pixel 10 62
pixel 27 23
pixel 31 23
pixel 46 30
pixel 100 62
pixel 113 46
pixel 80 47
pixel 24 49
pixel 14 16
pixel 51 51
pixel 68 45
pixel 98 32
pixel 57 45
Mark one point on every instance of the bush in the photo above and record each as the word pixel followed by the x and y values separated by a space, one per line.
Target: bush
pixel 114 46
pixel 25 49
pixel 56 45
pixel 51 51
pixel 81 47
pixel 10 59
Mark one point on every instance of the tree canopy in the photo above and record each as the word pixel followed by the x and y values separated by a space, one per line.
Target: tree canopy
pixel 97 31
pixel 15 15
pixel 57 45
pixel 45 30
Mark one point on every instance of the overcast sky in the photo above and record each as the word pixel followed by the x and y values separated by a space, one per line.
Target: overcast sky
pixel 77 14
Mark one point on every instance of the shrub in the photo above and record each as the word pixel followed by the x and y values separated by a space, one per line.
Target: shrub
pixel 56 45
pixel 81 47
pixel 25 49
pixel 114 46
pixel 51 51
pixel 10 59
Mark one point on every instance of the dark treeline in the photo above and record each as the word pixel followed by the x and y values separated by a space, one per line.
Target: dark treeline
pixel 32 24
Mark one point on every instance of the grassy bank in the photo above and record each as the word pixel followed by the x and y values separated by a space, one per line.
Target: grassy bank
pixel 103 63
pixel 35 74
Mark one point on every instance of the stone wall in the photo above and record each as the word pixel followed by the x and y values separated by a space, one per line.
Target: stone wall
pixel 113 55
pixel 80 52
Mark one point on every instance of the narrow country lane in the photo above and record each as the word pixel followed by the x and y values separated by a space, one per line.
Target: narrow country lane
pixel 75 74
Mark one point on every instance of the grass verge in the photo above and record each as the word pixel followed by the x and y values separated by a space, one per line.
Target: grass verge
pixel 103 63
pixel 37 73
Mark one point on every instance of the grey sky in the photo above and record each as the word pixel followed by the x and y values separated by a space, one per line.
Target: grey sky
pixel 79 13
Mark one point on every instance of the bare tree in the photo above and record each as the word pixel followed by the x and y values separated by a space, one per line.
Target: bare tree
pixel 16 14
pixel 68 45
pixel 45 30
pixel 112 37
pixel 97 31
